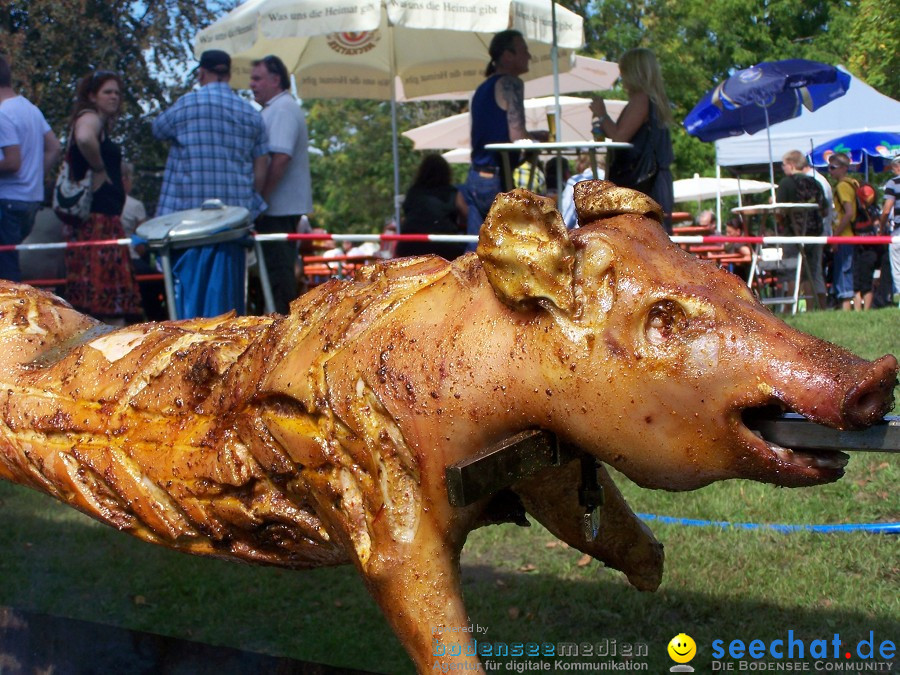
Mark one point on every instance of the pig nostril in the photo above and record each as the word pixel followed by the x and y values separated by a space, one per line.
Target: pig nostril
pixel 869 405
pixel 870 402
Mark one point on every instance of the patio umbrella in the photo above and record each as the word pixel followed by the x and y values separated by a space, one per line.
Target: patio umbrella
pixel 458 156
pixel 352 48
pixel 586 74
pixel 453 131
pixel 355 48
pixel 860 146
pixel 754 98
pixel 699 188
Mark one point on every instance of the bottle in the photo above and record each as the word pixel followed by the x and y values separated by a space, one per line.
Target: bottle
pixel 597 128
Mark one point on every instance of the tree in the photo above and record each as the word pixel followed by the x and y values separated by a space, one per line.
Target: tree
pixel 353 179
pixel 52 43
pixel 699 43
pixel 873 50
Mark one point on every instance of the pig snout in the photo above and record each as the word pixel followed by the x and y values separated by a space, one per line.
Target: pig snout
pixel 873 396
pixel 833 387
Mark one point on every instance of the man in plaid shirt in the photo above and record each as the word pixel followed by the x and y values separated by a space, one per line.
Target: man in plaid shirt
pixel 219 145
pixel 219 151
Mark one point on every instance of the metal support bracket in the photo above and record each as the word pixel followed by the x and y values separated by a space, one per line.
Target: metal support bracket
pixel 502 464
pixel 590 496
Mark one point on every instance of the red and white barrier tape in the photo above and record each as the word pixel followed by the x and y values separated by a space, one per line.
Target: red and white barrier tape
pixel 467 238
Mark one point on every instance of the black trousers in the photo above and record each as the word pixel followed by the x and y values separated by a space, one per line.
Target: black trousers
pixel 281 258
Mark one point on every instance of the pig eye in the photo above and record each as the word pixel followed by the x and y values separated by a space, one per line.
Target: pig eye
pixel 664 320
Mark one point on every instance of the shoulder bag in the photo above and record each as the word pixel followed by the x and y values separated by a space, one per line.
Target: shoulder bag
pixel 72 198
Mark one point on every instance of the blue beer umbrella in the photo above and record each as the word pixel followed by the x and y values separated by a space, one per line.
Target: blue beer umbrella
pixel 757 97
pixel 871 148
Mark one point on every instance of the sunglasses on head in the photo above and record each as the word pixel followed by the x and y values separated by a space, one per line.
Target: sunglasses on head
pixel 832 167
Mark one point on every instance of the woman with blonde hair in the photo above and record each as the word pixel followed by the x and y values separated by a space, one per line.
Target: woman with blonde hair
pixel 99 279
pixel 644 122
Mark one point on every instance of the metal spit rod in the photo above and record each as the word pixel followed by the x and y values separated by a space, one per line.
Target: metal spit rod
pixel 529 452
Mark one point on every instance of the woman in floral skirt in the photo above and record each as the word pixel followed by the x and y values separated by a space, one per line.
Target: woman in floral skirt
pixel 99 279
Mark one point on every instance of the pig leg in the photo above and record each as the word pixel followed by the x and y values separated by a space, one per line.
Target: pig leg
pixel 414 580
pixel 623 542
pixel 418 589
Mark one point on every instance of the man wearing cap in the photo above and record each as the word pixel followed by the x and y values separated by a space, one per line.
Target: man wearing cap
pixel 219 147
pixel 218 150
pixel 287 188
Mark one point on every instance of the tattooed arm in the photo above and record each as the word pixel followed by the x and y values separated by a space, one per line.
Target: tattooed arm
pixel 510 94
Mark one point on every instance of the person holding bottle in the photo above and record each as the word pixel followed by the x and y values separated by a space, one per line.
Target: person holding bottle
pixel 644 123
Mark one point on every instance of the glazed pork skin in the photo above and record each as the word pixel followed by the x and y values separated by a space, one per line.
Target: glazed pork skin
pixel 322 437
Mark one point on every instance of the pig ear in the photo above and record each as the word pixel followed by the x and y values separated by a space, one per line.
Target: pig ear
pixel 598 199
pixel 526 252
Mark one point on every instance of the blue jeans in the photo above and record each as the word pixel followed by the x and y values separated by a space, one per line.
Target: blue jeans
pixel 479 193
pixel 16 221
pixel 842 275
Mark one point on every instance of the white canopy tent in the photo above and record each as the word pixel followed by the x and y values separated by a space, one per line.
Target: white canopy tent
pixel 862 108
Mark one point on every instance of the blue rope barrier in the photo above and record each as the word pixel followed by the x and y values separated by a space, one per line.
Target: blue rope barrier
pixel 875 528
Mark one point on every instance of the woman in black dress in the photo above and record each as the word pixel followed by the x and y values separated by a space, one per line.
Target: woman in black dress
pixel 433 205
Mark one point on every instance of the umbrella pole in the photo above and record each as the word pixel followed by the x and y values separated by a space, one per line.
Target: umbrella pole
pixel 554 60
pixel 719 194
pixel 396 155
pixel 557 111
pixel 395 151
pixel 771 161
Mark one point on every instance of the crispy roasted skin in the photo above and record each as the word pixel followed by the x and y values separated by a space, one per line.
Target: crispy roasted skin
pixel 322 437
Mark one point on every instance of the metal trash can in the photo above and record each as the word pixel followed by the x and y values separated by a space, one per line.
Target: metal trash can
pixel 210 276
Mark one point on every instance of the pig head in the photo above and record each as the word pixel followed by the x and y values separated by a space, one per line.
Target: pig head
pixel 648 358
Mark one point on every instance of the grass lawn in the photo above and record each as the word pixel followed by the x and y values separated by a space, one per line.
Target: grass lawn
pixel 519 583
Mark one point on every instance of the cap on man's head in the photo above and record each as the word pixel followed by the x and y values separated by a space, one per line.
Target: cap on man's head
pixel 216 61
pixel 896 161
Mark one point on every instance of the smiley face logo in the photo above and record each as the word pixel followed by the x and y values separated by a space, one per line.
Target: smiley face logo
pixel 682 648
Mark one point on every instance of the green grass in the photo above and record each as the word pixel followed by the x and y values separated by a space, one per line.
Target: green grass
pixel 518 582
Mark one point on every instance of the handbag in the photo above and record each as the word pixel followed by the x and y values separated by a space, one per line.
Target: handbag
pixel 636 167
pixel 72 198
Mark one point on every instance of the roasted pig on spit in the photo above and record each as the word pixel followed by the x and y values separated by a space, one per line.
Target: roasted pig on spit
pixel 322 437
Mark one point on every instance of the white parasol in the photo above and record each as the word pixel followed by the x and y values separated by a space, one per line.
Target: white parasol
pixel 351 48
pixel 699 188
pixel 586 74
pixel 453 131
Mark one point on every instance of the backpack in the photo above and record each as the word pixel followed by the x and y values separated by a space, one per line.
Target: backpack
pixel 868 214
pixel 808 221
